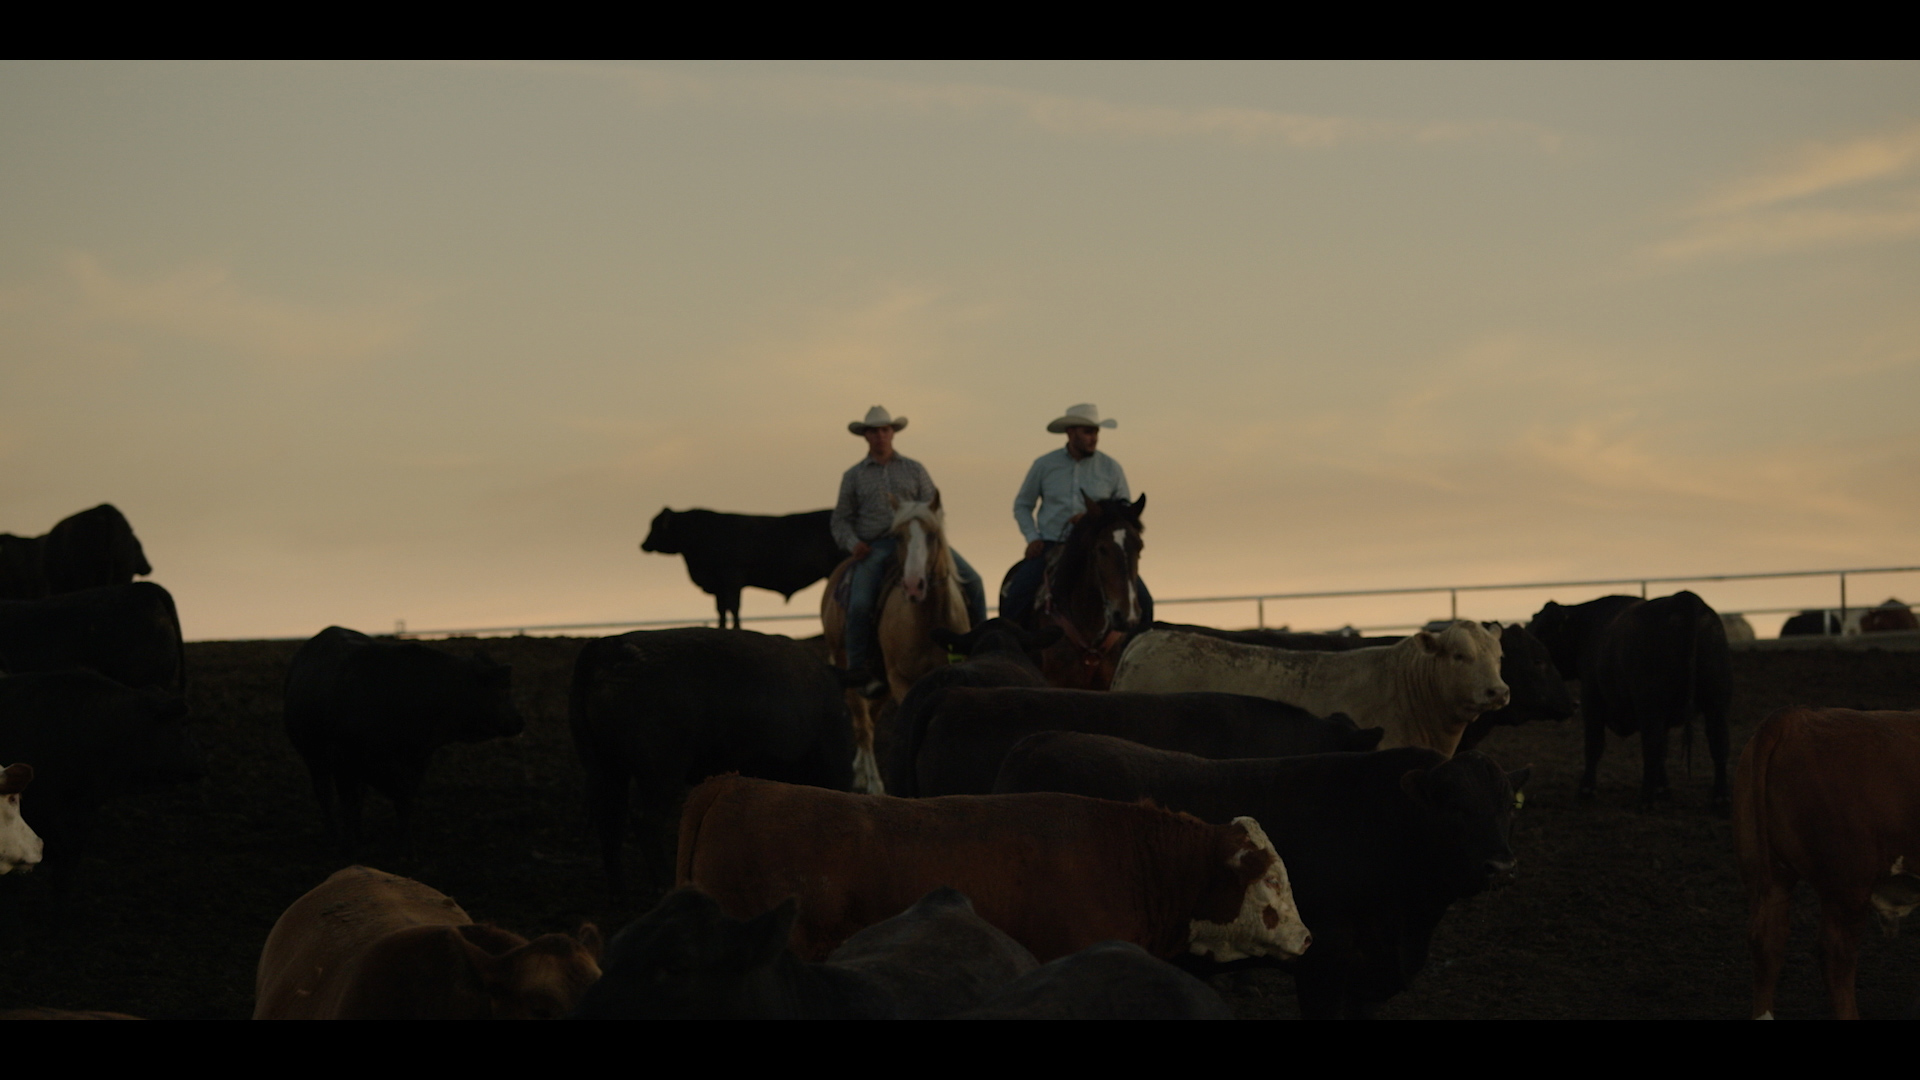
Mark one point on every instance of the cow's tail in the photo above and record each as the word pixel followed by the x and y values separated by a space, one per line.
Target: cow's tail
pixel 1698 641
pixel 179 646
pixel 699 801
pixel 1751 844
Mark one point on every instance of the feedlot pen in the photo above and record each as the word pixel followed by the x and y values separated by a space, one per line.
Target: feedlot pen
pixel 1615 913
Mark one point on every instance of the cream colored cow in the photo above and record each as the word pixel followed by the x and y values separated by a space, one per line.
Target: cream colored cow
pixel 1424 690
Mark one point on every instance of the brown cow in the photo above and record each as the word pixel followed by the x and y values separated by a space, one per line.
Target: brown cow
pixel 369 945
pixel 1056 872
pixel 1827 796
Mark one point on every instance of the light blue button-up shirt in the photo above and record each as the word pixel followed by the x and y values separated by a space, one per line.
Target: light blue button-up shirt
pixel 1058 483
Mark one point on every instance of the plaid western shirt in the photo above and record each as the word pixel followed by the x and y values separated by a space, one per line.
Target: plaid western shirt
pixel 863 512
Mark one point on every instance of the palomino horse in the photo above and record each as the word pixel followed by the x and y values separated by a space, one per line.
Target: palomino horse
pixel 921 593
pixel 1089 594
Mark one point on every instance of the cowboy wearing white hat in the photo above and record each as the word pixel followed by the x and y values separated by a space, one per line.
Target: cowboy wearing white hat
pixel 861 519
pixel 1060 483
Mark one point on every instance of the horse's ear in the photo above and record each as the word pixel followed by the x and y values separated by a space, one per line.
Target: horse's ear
pixel 1140 504
pixel 893 501
pixel 935 504
pixel 1093 508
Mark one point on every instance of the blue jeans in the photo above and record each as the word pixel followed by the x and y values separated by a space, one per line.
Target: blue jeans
pixel 865 597
pixel 1024 586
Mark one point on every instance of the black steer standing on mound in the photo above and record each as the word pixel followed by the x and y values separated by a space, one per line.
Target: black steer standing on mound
pixel 725 553
pixel 366 713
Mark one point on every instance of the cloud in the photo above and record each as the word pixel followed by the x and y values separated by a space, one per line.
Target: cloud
pixel 1765 213
pixel 1820 167
pixel 205 303
pixel 1074 116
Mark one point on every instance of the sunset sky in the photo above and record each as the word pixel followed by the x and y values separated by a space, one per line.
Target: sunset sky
pixel 355 343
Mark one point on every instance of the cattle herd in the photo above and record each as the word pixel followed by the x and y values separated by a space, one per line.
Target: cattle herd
pixel 1251 823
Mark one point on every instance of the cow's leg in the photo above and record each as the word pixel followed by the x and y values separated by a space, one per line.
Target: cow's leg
pixel 1653 759
pixel 1716 725
pixel 728 600
pixel 1768 925
pixel 351 792
pixel 323 790
pixel 1840 926
pixel 1593 713
pixel 404 790
pixel 607 802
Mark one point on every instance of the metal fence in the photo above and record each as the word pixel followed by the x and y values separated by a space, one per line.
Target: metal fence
pixel 1259 600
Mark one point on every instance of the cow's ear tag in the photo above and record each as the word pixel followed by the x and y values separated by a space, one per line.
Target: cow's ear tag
pixel 954 657
pixel 1519 799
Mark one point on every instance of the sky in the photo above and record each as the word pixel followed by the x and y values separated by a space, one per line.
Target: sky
pixel 362 343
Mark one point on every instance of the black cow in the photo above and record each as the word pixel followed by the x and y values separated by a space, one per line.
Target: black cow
pixel 663 709
pixel 129 633
pixel 88 739
pixel 366 713
pixel 23 567
pixel 686 959
pixel 1114 980
pixel 1644 666
pixel 1376 845
pixel 999 652
pixel 1816 622
pixel 91 548
pixel 728 552
pixel 970 730
pixel 1538 692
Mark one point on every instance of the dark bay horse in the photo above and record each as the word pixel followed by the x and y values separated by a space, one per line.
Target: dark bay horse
pixel 1089 594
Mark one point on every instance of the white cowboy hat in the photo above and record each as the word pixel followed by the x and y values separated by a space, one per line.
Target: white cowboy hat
pixel 877 417
pixel 1084 415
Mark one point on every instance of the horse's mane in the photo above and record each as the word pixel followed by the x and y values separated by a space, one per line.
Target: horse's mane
pixel 1085 533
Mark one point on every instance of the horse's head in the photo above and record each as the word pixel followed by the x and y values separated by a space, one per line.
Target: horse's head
pixel 921 528
pixel 1105 543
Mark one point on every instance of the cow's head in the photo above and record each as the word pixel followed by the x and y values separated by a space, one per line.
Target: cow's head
pixel 1894 896
pixel 1464 660
pixel 490 713
pixel 20 846
pixel 1539 693
pixel 542 979
pixel 1553 627
pixel 1265 921
pixel 660 537
pixel 1463 811
pixel 685 958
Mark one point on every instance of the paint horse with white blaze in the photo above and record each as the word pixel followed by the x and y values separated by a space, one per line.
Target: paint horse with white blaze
pixel 921 594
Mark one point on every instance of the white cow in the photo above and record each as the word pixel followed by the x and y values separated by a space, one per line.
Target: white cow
pixel 19 844
pixel 1424 690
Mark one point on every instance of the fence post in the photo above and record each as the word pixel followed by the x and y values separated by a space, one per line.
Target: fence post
pixel 1453 604
pixel 1261 603
pixel 1843 602
pixel 1643 590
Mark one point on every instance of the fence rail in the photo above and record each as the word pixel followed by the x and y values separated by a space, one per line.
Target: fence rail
pixel 1259 600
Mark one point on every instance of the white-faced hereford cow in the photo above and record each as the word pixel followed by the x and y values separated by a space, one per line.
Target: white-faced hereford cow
pixel 1424 691
pixel 19 844
pixel 1057 872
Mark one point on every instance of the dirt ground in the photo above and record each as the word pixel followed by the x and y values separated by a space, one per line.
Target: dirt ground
pixel 1616 913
